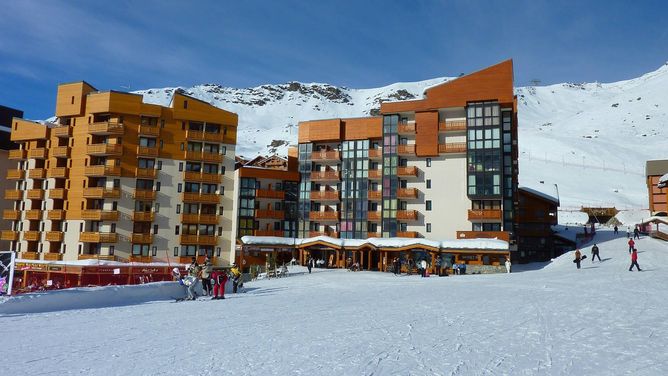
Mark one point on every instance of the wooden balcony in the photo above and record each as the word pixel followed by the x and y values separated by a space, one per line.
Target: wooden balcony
pixel 31 236
pixel 452 147
pixel 328 155
pixel 273 214
pixel 144 194
pixel 101 192
pixel 57 193
pixel 203 156
pixel 15 174
pixel 11 215
pixel 410 215
pixel 207 219
pixel 375 153
pixel 146 173
pixel 37 173
pixel 35 194
pixel 17 154
pixel 277 233
pixel 9 235
pixel 98 237
pixel 149 130
pixel 408 128
pixel 99 215
pixel 199 239
pixel 325 176
pixel 53 256
pixel 106 128
pixel 141 259
pixel 406 149
pixel 37 153
pixel 102 170
pixel 485 215
pixel 105 149
pixel 140 216
pixel 55 215
pixel 324 196
pixel 374 216
pixel 57 172
pixel 375 174
pixel 407 234
pixel 145 151
pixel 501 235
pixel 13 194
pixel 60 151
pixel 100 257
pixel 375 195
pixel 63 131
pixel 207 198
pixel 267 193
pixel 331 234
pixel 205 136
pixel 142 238
pixel 30 255
pixel 452 126
pixel 407 171
pixel 202 177
pixel 373 234
pixel 407 193
pixel 54 236
pixel 33 214
pixel 324 215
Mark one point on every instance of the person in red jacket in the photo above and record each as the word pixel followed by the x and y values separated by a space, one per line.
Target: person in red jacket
pixel 632 244
pixel 634 260
pixel 219 279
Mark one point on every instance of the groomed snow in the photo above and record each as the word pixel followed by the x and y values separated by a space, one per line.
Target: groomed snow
pixel 555 320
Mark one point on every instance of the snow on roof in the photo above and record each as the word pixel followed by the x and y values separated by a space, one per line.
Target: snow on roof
pixel 379 242
pixel 568 232
pixel 547 191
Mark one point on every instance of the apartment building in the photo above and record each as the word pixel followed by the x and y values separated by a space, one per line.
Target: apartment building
pixel 658 193
pixel 537 212
pixel 440 167
pixel 117 178
pixel 6 115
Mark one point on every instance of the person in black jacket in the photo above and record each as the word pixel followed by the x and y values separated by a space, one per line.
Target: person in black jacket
pixel 594 253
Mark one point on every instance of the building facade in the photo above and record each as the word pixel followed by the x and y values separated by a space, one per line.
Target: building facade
pixel 6 116
pixel 658 197
pixel 536 214
pixel 441 167
pixel 117 178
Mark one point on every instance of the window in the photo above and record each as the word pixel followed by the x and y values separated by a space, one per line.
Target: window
pixel 157 186
pixel 428 183
pixel 155 229
pixel 428 162
pixel 185 105
pixel 180 166
pixel 178 208
pixel 220 210
pixel 112 249
pixel 428 227
pixel 222 190
pixel 179 187
pixel 154 251
pixel 428 205
pixel 177 229
pixel 176 251
pixel 159 165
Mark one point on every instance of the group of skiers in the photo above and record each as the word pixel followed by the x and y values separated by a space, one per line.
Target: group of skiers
pixel 632 250
pixel 212 279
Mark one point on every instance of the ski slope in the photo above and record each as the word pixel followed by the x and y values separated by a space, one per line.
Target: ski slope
pixel 552 320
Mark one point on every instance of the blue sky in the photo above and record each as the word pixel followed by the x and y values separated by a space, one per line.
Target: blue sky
pixel 143 44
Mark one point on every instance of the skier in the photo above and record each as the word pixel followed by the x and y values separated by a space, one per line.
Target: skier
pixel 309 264
pixel 191 284
pixel 634 260
pixel 594 253
pixel 423 267
pixel 219 278
pixel 236 277
pixel 636 233
pixel 631 245
pixel 176 275
pixel 628 232
pixel 616 228
pixel 206 277
pixel 577 258
pixel 508 264
pixel 395 266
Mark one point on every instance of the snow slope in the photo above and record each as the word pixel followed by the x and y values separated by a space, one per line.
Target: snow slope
pixel 591 139
pixel 555 320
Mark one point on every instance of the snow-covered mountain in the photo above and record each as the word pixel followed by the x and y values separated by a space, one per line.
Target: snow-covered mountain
pixel 591 139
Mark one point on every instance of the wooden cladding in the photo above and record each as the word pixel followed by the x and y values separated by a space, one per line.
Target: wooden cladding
pixel 98 237
pixel 452 147
pixel 203 156
pixel 374 216
pixel 206 198
pixel 35 194
pixel 57 172
pixel 145 151
pixel 375 174
pixel 146 173
pixel 375 195
pixel 62 131
pixel 101 192
pixel 324 216
pixel 11 215
pixel 13 194
pixel 37 153
pixel 54 236
pixel 407 215
pixel 406 128
pixel 484 215
pixel 60 151
pixel 37 173
pixel 53 256
pixel 149 130
pixel 57 193
pixel 106 128
pixel 15 174
pixel 452 126
pixel 33 214
pixel 102 170
pixel 17 154
pixel 426 137
pixel 407 171
pixel 141 216
pixel 325 175
pixel 99 215
pixel 406 149
pixel 407 193
pixel 55 215
pixel 326 155
pixel 199 239
pixel 375 153
pixel 331 234
pixel 30 255
pixel 207 219
pixel 31 236
pixel 9 235
pixel 268 233
pixel 137 238
pixel 202 177
pixel 324 195
pixel 105 149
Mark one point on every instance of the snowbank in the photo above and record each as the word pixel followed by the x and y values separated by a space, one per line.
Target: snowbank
pixel 632 217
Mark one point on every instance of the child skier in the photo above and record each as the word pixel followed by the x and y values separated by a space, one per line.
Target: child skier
pixel 631 245
pixel 634 260
pixel 236 278
pixel 219 279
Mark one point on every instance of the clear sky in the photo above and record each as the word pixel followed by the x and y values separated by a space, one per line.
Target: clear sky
pixel 132 45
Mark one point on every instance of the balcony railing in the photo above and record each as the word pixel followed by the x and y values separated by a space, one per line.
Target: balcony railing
pixel 60 151
pixel 31 236
pixel 62 131
pixel 278 233
pixel 331 234
pixel 407 215
pixel 407 193
pixel 30 255
pixel 146 173
pixel 208 198
pixel 144 194
pixel 373 234
pixel 407 234
pixel 141 259
pixel 106 128
pixel 406 128
pixel 149 130
pixel 452 147
pixel 209 219
pixel 451 126
pixel 101 192
pixel 142 238
pixel 502 235
pixel 13 194
pixel 11 215
pixel 35 194
pixel 146 151
pixel 201 177
pixel 375 195
pixel 15 174
pixel 53 256
pixel 325 175
pixel 141 216
pixel 325 196
pixel 98 237
pixel 37 173
pixel 205 136
pixel 33 214
pixel 37 153
pixel 374 215
pixel 99 215
pixel 199 239
pixel 406 149
pixel 57 172
pixel 270 193
pixel 407 171
pixel 485 214
pixel 324 215
pixel 375 174
pixel 375 153
pixel 328 155
pixel 17 154
pixel 191 155
pixel 57 193
pixel 55 215
pixel 102 170
pixel 275 214
pixel 105 149
pixel 9 235
pixel 54 236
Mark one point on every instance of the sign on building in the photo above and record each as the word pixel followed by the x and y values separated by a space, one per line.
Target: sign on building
pixel 6 272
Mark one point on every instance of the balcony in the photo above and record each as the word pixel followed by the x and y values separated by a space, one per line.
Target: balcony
pixel 33 214
pixel 406 128
pixel 55 215
pixel 142 238
pixel 37 173
pixel 94 256
pixel 99 215
pixel 13 194
pixel 324 215
pixel 15 174
pixel 373 235
pixel 407 193
pixel 101 192
pixel 331 234
pixel 452 126
pixel 191 155
pixel 60 151
pixel 102 170
pixel 406 149
pixel 375 195
pixel 149 130
pixel 374 216
pixel 106 128
pixel 375 153
pixel 325 195
pixel 105 149
pixel 207 219
pixel 407 234
pixel 375 174
pixel 63 131
pixel 452 147
pixel 269 193
pixel 273 214
pixel 325 176
pixel 146 151
pixel 57 193
pixel 410 215
pixel 407 171
pixel 11 215
pixel 144 194
pixel 141 259
pixel 140 216
pixel 31 236
pixel 206 198
pixel 17 154
pixel 35 194
pixel 199 239
pixel 57 172
pixel 9 235
pixel 98 237
pixel 146 173
pixel 205 136
pixel 484 215
pixel 54 236
pixel 37 153
pixel 277 233
pixel 202 177
pixel 326 155
pixel 53 256
pixel 30 255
